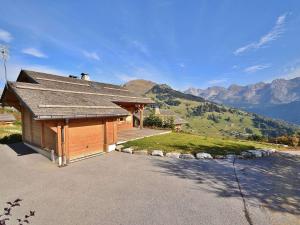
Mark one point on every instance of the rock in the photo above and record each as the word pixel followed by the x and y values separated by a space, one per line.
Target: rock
pixel 174 155
pixel 270 150
pixel 230 156
pixel 127 150
pixel 219 157
pixel 203 155
pixel 256 153
pixel 140 152
pixel 157 153
pixel 119 148
pixel 265 153
pixel 187 156
pixel 246 155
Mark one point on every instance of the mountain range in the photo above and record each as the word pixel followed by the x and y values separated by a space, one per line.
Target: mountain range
pixel 279 99
pixel 209 118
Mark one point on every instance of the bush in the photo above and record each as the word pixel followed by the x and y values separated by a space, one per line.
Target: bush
pixel 248 130
pixel 168 123
pixel 286 140
pixel 13 138
pixel 256 137
pixel 153 121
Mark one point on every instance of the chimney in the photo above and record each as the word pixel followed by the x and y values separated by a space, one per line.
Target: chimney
pixel 85 76
pixel 156 112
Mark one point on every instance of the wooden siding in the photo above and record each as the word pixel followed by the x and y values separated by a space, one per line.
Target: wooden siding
pixel 85 137
pixel 36 131
pixel 50 136
pixel 27 126
pixel 126 122
pixel 110 131
pixel 82 137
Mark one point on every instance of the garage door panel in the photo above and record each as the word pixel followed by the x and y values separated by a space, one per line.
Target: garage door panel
pixel 86 138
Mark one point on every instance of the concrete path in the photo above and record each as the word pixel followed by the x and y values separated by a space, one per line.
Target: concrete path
pixel 119 188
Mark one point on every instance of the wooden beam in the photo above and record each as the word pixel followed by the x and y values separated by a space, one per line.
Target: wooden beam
pixel 141 117
pixel 106 135
pixel 58 140
pixel 67 151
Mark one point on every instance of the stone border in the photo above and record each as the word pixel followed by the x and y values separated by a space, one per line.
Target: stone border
pixel 247 154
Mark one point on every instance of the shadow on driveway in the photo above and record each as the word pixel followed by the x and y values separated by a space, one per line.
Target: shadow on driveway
pixel 21 149
pixel 272 182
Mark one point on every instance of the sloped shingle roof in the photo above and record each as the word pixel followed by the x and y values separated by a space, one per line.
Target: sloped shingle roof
pixel 52 96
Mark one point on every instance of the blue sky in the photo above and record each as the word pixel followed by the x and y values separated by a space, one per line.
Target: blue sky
pixel 181 43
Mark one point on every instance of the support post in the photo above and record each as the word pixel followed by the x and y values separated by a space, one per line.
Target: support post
pixel 141 116
pixel 67 153
pixel 58 145
pixel 106 135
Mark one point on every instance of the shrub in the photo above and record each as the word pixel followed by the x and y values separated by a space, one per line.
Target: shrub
pixel 153 121
pixel 168 123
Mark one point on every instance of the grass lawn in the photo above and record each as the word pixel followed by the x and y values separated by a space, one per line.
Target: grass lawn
pixel 191 143
pixel 10 133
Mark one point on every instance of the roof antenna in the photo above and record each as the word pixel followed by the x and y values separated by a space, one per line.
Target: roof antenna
pixel 4 55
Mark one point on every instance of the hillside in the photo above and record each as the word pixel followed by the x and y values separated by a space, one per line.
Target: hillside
pixel 270 99
pixel 139 86
pixel 210 118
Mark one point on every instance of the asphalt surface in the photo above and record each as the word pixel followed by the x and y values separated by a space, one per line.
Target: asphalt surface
pixel 119 188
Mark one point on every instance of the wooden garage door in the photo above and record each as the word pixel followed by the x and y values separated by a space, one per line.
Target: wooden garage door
pixel 85 138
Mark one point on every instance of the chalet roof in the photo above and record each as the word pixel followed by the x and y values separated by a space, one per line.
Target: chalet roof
pixel 52 96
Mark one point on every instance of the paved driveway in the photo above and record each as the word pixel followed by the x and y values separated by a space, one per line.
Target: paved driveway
pixel 117 188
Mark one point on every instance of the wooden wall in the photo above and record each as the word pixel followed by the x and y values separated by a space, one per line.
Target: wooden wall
pixel 38 133
pixel 127 122
pixel 81 136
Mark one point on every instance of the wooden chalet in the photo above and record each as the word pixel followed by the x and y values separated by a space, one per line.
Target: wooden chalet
pixel 66 118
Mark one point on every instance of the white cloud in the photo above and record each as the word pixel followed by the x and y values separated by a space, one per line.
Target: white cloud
pixel 5 36
pixel 34 52
pixel 141 47
pixel 182 65
pixel 217 81
pixel 272 35
pixel 91 55
pixel 290 72
pixel 255 68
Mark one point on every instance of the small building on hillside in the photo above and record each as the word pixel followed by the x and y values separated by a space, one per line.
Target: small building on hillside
pixel 6 118
pixel 71 118
pixel 164 114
